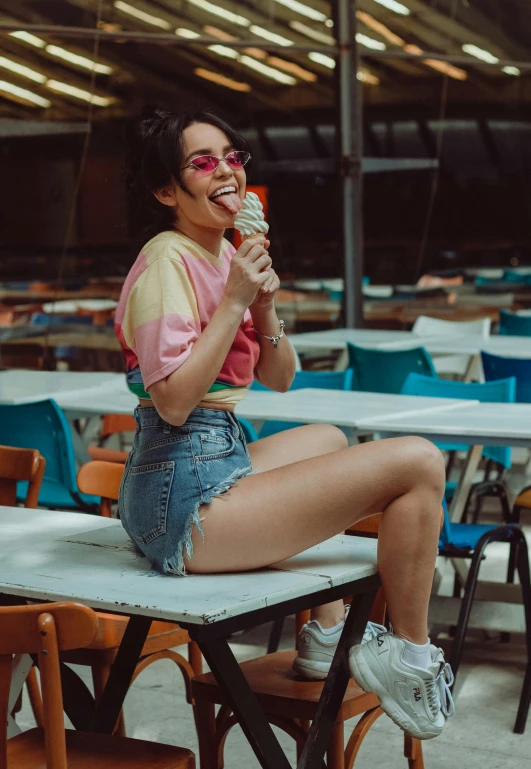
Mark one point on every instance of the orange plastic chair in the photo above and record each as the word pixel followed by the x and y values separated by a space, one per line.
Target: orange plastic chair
pixel 46 630
pixel 103 479
pixel 291 703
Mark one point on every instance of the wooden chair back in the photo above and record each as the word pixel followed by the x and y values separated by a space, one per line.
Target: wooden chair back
pixel 20 465
pixel 117 423
pixel 102 479
pixel 44 630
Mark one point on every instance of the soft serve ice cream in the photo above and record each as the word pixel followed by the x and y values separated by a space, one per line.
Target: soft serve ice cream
pixel 250 219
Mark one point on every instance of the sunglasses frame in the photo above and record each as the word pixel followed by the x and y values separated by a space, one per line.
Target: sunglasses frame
pixel 191 163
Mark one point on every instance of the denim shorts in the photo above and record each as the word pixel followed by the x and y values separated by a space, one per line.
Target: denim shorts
pixel 172 471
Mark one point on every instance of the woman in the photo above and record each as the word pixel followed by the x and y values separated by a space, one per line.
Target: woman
pixel 197 323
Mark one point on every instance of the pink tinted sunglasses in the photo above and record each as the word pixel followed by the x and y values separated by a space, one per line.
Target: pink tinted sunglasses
pixel 209 163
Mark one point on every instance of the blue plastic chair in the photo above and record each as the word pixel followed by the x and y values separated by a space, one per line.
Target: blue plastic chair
pixel 43 426
pixel 326 380
pixel 496 367
pixel 44 319
pixel 502 391
pixel 512 324
pixel 464 540
pixel 386 371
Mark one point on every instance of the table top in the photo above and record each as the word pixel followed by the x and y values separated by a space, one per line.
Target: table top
pixel 70 306
pixel 337 407
pixel 20 386
pixel 99 568
pixel 442 344
pixel 311 406
pixel 336 339
pixel 500 424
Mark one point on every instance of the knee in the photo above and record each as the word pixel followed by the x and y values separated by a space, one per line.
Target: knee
pixel 427 463
pixel 331 438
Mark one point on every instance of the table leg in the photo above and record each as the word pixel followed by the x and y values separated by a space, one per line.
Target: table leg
pixel 22 664
pixel 336 683
pixel 250 715
pixel 465 483
pixel 243 702
pixel 121 675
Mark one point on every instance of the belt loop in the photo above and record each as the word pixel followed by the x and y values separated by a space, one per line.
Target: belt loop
pixel 166 428
pixel 136 415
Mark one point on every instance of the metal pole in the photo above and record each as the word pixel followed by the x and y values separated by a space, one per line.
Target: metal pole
pixel 351 140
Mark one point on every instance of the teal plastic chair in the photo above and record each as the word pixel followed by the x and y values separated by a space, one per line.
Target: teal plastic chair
pixel 512 324
pixel 510 276
pixel 500 391
pixel 325 380
pixel 43 426
pixel 386 371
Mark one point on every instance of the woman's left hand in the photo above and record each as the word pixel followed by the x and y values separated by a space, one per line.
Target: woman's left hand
pixel 266 295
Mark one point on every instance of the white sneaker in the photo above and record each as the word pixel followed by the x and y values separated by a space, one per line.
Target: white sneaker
pixel 316 649
pixel 418 700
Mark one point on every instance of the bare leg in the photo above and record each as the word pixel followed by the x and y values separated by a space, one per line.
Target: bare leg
pixel 279 512
pixel 294 446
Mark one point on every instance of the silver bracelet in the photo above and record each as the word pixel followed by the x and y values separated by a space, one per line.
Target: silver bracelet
pixel 274 339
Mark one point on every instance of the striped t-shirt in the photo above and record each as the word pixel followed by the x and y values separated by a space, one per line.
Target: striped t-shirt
pixel 168 298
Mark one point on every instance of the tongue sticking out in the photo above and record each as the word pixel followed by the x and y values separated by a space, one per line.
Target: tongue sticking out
pixel 231 201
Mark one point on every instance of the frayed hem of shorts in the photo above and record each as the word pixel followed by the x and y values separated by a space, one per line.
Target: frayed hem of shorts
pixel 175 565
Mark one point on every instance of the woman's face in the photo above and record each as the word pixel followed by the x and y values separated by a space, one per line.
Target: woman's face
pixel 198 207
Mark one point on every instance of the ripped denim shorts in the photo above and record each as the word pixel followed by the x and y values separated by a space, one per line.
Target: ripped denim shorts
pixel 170 473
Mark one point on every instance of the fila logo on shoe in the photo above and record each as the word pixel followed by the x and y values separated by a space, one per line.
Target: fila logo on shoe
pixel 416 694
pixel 383 643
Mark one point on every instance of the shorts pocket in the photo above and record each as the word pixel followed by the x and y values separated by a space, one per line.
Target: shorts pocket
pixel 215 444
pixel 146 495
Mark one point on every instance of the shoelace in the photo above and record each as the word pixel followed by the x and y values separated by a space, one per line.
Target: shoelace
pixel 373 630
pixel 438 691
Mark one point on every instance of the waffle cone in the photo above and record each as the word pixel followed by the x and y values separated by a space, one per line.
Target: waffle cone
pixel 260 237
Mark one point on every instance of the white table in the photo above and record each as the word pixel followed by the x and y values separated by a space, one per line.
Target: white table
pixel 480 424
pixel 99 568
pixel 435 344
pixel 18 386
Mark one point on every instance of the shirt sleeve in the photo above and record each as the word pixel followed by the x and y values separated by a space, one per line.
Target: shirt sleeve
pixel 161 320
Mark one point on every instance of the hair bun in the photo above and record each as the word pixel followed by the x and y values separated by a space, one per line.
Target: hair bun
pixel 151 113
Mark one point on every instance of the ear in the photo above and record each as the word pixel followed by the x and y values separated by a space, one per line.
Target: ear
pixel 166 196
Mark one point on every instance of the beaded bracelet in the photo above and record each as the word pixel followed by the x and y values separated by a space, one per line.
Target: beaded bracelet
pixel 274 339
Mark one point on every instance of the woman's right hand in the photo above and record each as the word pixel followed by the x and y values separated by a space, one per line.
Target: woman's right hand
pixel 249 270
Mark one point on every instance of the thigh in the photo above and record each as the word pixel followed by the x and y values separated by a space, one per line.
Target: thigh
pixel 275 514
pixel 295 445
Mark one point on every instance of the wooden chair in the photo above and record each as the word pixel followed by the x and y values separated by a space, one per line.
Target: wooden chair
pixel 291 703
pixel 20 465
pixel 23 465
pixel 46 630
pixel 103 479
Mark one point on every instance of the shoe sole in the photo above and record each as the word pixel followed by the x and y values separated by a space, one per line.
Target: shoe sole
pixel 365 678
pixel 313 671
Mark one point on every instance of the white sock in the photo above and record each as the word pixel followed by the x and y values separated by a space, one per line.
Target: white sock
pixel 330 630
pixel 418 656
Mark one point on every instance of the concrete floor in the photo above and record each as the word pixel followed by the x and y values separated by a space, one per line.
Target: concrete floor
pixel 479 737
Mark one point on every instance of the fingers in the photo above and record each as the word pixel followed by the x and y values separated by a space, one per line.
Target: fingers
pixel 249 244
pixel 263 262
pixel 272 284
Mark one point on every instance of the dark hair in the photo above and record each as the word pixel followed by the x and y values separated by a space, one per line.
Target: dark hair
pixel 155 158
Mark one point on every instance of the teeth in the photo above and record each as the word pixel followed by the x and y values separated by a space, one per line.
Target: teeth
pixel 223 190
